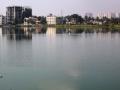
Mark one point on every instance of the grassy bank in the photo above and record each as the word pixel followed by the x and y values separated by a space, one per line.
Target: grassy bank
pixel 110 26
pixel 88 26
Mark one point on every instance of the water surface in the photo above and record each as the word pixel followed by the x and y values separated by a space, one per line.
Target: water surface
pixel 59 59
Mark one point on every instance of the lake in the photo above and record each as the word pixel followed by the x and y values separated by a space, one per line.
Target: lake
pixel 59 59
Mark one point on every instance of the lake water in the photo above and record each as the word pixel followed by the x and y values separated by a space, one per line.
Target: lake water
pixel 59 59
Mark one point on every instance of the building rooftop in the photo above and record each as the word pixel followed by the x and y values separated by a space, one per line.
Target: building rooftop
pixel 19 6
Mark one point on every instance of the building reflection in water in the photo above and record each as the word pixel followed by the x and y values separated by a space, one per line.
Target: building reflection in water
pixel 26 32
pixel 74 31
pixel 51 31
pixel 60 31
pixel 39 30
pixel 18 33
pixel 0 32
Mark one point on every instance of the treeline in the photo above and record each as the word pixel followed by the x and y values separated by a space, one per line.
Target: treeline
pixel 78 19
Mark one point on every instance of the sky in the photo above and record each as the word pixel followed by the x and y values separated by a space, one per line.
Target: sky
pixel 64 7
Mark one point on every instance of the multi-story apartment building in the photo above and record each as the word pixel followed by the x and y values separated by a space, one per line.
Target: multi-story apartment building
pixel 51 20
pixel 27 12
pixel 16 14
pixel 2 20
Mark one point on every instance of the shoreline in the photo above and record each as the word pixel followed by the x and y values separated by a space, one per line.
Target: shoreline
pixel 89 26
pixel 77 26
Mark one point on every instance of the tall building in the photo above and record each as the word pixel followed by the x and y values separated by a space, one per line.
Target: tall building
pixel 2 20
pixel 27 12
pixel 51 20
pixel 16 14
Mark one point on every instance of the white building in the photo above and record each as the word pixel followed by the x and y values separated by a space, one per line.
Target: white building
pixel 30 21
pixel 113 15
pixel 107 14
pixel 101 15
pixel 2 20
pixel 51 20
pixel 118 15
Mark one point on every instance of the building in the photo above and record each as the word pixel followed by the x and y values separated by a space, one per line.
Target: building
pixel 16 14
pixel 102 14
pixel 27 12
pixel 51 20
pixel 2 20
pixel 89 15
pixel 118 15
pixel 113 15
pixel 31 21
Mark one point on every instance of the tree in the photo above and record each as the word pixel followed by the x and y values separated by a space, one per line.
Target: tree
pixel 75 18
pixel 42 19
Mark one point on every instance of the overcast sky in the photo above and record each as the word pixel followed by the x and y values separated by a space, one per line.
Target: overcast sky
pixel 44 7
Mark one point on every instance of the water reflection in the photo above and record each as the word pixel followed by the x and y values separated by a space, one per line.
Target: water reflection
pixel 0 32
pixel 39 30
pixel 41 59
pixel 60 31
pixel 8 44
pixel 26 32
pixel 17 33
pixel 51 32
pixel 74 31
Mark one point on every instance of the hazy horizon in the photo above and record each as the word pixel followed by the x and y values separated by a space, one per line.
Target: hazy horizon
pixel 67 7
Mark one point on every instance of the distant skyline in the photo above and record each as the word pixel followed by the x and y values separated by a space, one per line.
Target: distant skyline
pixel 66 7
